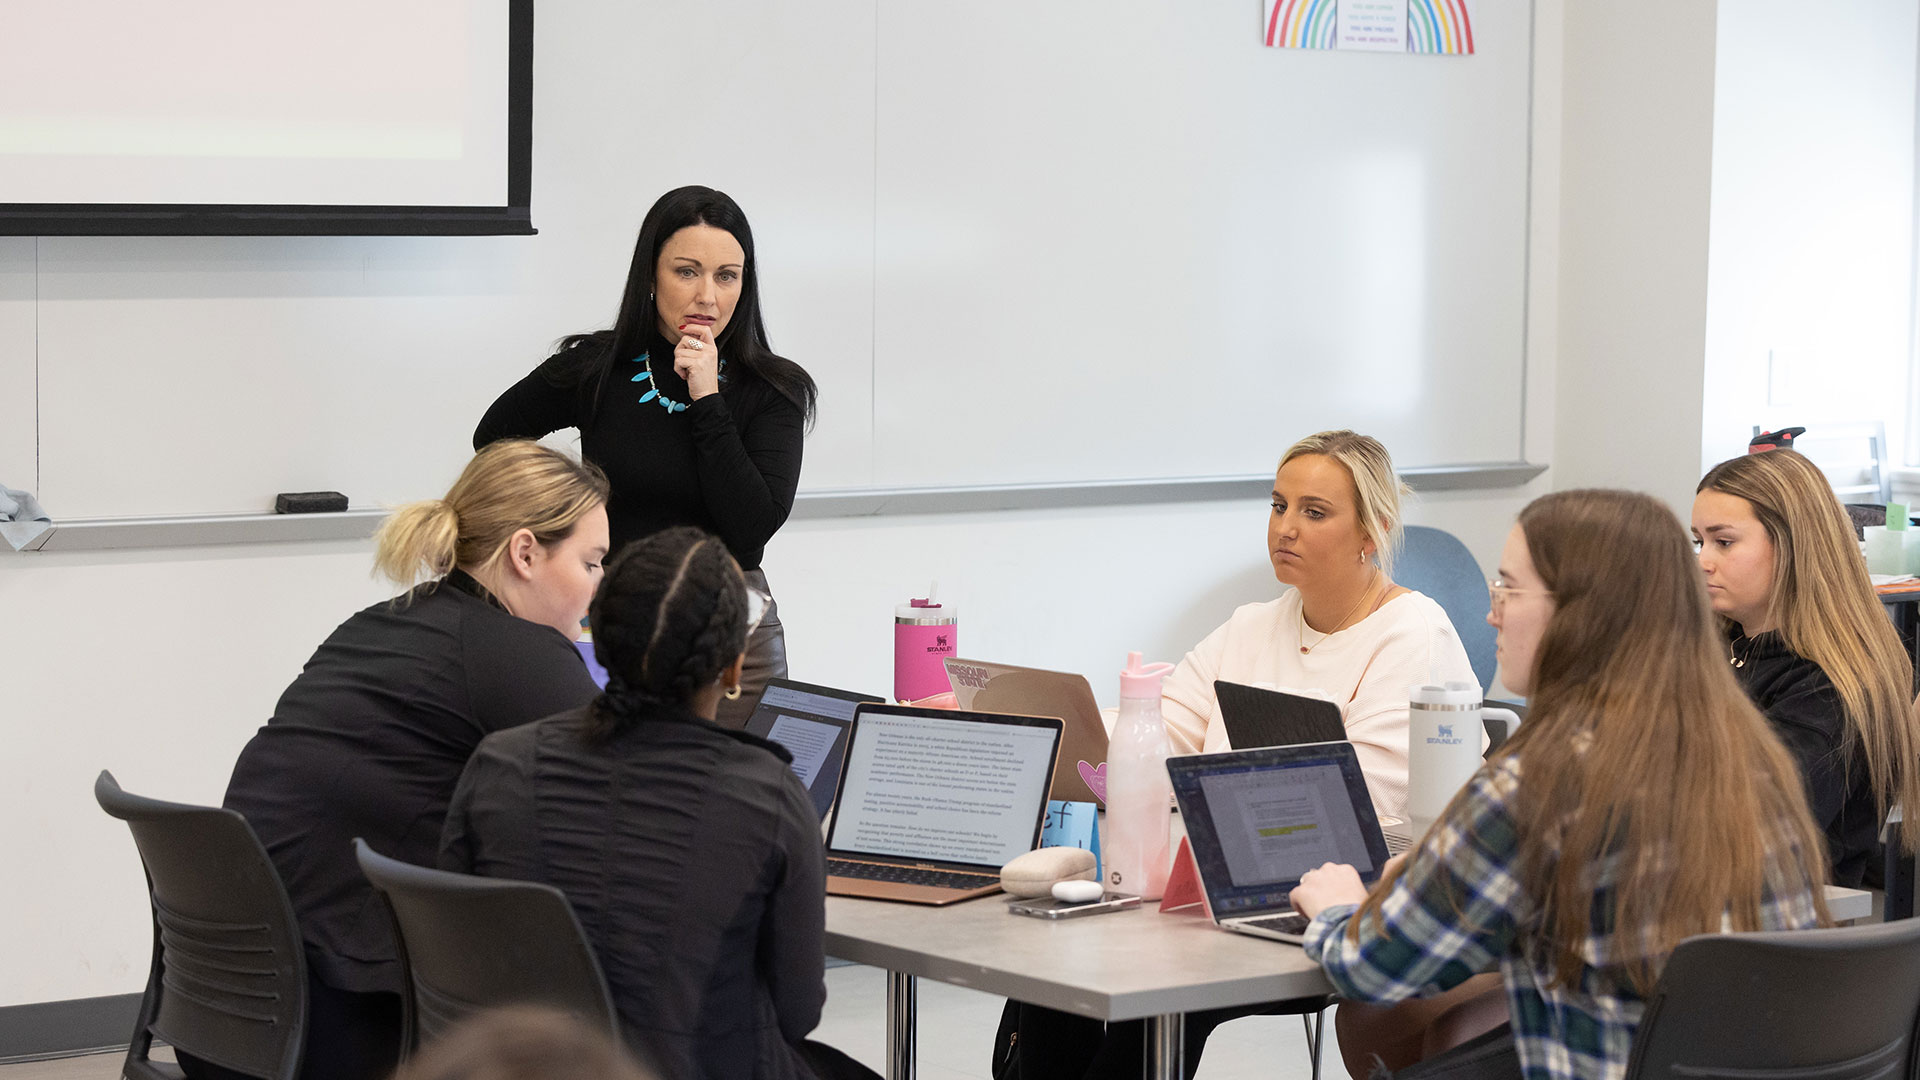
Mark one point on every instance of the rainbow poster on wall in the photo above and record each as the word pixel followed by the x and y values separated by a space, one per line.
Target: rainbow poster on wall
pixel 1441 27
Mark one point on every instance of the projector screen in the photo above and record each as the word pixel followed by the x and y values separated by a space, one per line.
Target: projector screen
pixel 235 116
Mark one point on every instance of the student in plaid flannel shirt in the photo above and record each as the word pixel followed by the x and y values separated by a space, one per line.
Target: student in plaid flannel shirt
pixel 1644 800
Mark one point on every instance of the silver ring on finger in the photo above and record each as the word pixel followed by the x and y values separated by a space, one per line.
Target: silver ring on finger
pixel 695 343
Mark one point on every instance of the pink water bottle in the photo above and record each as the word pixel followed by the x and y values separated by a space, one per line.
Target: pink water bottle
pixel 924 635
pixel 1139 792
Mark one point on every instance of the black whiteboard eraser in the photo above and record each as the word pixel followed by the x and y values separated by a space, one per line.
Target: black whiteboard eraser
pixel 309 502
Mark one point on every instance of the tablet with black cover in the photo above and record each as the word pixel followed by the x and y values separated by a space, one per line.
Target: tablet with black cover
pixel 1255 717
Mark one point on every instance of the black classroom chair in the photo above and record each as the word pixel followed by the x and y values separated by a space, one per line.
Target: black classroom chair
pixel 469 943
pixel 1785 1005
pixel 229 977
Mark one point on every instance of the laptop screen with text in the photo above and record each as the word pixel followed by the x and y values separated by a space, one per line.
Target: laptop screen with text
pixel 943 788
pixel 811 722
pixel 1260 819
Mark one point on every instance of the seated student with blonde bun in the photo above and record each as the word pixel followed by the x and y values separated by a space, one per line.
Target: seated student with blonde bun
pixel 1812 645
pixel 1344 632
pixel 1644 801
pixel 370 739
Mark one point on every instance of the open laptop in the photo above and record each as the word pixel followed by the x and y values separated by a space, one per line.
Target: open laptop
pixel 987 687
pixel 933 802
pixel 1259 819
pixel 1255 716
pixel 811 722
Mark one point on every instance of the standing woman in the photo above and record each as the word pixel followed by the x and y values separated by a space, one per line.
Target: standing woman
pixel 1811 644
pixel 684 405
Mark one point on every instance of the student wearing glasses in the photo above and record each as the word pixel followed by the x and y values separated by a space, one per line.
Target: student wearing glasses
pixel 1644 800
pixel 690 852
pixel 1812 646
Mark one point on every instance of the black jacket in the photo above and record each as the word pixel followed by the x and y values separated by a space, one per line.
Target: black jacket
pixel 1806 714
pixel 692 856
pixel 370 740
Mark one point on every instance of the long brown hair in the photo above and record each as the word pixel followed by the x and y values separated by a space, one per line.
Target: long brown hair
pixel 1641 749
pixel 1824 609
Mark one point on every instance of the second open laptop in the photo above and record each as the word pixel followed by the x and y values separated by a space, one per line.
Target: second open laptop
pixel 933 802
pixel 989 687
pixel 811 722
pixel 1255 716
pixel 1258 820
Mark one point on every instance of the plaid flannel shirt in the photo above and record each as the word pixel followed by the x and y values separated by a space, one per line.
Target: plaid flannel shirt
pixel 1458 908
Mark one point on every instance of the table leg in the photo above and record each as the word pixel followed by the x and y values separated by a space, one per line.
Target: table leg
pixel 1165 1036
pixel 902 1020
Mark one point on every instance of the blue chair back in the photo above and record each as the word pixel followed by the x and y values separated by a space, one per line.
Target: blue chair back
pixel 1435 562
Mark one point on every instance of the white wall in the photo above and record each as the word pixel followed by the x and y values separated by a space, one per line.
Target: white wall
pixel 1637 131
pixel 1810 264
pixel 159 664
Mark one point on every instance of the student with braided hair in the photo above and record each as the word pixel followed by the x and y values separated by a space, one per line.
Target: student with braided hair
pixel 690 851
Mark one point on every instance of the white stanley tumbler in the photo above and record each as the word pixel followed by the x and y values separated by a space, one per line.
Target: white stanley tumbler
pixel 1443 748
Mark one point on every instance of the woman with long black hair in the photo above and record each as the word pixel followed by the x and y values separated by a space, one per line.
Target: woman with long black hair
pixel 684 405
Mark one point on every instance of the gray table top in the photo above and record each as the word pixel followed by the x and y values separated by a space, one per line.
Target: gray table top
pixel 1118 966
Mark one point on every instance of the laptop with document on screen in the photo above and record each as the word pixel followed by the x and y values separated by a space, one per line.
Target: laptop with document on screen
pixel 988 687
pixel 811 722
pixel 933 802
pixel 1257 820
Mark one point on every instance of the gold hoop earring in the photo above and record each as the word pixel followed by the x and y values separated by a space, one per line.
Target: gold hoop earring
pixel 733 692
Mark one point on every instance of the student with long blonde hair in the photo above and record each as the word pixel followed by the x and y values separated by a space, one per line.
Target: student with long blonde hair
pixel 1811 644
pixel 370 739
pixel 1644 800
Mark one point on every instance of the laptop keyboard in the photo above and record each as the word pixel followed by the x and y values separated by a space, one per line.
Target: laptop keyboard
pixel 910 875
pixel 1284 924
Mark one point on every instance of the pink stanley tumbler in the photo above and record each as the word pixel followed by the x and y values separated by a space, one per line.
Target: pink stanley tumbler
pixel 924 635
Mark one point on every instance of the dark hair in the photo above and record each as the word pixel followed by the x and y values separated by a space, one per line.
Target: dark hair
pixel 743 342
pixel 670 615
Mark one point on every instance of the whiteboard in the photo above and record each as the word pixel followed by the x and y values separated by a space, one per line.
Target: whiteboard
pixel 1015 243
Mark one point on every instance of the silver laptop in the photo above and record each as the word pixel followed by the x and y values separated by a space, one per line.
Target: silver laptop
pixel 933 802
pixel 1258 820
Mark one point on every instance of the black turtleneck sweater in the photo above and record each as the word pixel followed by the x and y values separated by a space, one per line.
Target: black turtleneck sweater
pixel 729 463
pixel 1805 711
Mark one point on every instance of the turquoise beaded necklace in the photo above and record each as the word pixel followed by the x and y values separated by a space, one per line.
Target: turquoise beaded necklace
pixel 653 393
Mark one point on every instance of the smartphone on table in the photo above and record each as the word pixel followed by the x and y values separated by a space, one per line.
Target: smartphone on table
pixel 1046 907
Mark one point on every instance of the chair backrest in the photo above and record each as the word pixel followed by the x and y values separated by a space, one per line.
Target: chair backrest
pixel 1435 562
pixel 470 943
pixel 229 976
pixel 1785 1005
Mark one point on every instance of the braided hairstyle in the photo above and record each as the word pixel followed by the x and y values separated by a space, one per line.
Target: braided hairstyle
pixel 670 615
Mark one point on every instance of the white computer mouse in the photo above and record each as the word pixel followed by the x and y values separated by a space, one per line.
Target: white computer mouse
pixel 1077 892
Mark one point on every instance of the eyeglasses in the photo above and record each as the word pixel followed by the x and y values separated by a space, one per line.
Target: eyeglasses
pixel 757 604
pixel 1500 590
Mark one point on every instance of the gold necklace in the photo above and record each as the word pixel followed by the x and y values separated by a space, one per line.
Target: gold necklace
pixel 1306 648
